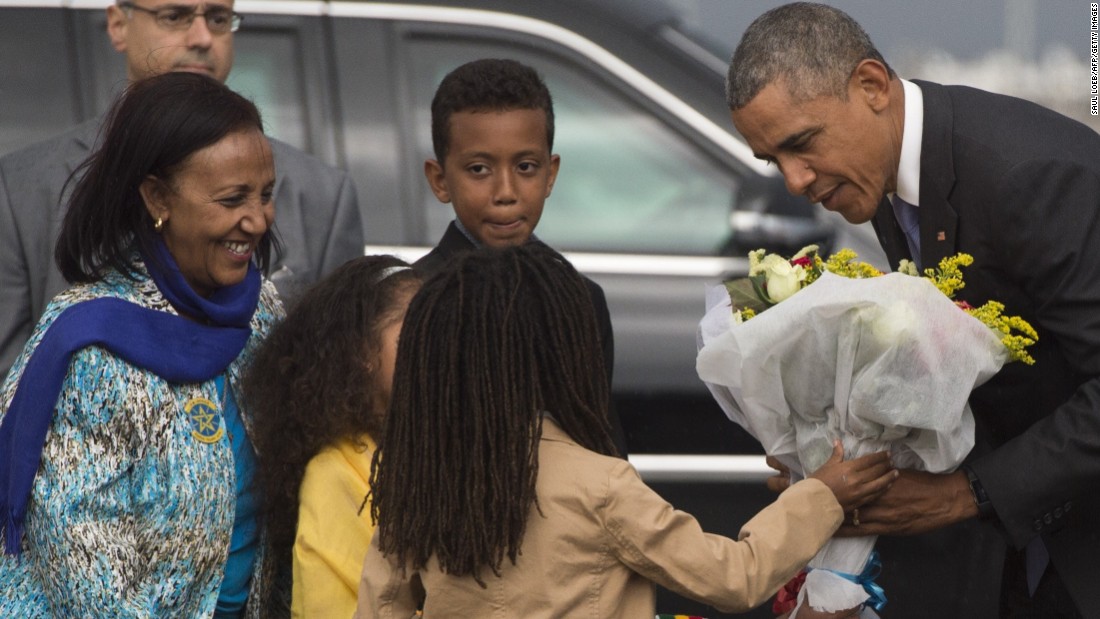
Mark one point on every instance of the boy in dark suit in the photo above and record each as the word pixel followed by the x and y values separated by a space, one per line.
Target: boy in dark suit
pixel 493 132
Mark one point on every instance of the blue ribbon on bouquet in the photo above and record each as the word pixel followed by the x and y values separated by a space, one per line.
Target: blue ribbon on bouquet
pixel 866 579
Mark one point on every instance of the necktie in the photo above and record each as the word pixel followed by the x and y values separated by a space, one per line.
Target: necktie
pixel 906 214
pixel 1036 560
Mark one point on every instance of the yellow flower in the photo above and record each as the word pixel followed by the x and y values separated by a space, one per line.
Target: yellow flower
pixel 844 263
pixel 775 278
pixel 948 277
pixel 1015 332
pixel 755 258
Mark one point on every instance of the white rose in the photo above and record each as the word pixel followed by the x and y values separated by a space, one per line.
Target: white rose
pixel 894 325
pixel 782 278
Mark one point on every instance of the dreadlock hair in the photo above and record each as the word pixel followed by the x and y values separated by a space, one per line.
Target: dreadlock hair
pixel 314 379
pixel 489 344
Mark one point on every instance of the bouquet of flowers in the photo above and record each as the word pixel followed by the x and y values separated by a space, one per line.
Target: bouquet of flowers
pixel 806 350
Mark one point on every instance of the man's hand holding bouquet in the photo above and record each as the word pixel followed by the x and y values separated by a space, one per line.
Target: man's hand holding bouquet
pixel 805 351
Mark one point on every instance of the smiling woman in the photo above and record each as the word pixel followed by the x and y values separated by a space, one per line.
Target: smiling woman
pixel 216 209
pixel 126 463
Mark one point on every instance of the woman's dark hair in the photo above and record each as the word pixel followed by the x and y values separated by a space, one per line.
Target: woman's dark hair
pixel 152 129
pixel 488 345
pixel 313 379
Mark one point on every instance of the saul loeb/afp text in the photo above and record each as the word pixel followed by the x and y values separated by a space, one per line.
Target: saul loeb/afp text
pixel 1094 58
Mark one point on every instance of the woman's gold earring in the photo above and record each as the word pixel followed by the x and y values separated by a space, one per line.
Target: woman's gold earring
pixel 157 227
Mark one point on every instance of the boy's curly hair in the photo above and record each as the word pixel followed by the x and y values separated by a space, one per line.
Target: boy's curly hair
pixel 312 381
pixel 488 85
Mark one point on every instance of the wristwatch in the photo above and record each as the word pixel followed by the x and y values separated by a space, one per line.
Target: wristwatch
pixel 985 508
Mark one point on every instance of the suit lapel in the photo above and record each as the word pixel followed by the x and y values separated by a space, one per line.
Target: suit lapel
pixel 938 219
pixel 84 141
pixel 454 241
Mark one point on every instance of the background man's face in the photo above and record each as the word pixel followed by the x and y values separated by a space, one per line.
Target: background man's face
pixel 152 49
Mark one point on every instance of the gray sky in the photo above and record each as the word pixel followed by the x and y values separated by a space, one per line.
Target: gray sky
pixel 1034 49
pixel 966 29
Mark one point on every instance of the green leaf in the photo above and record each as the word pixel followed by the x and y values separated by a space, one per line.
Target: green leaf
pixel 745 293
pixel 759 285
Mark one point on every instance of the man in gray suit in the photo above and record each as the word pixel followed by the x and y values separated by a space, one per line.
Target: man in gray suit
pixel 317 214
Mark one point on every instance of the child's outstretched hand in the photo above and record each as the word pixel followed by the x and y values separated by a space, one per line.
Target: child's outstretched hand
pixel 859 481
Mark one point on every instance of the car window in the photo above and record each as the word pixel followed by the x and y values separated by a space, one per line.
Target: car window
pixel 51 102
pixel 628 182
pixel 260 58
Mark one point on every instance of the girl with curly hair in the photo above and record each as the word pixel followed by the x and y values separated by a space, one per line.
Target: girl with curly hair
pixel 495 490
pixel 320 386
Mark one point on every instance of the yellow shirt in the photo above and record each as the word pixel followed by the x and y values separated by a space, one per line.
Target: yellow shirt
pixel 332 537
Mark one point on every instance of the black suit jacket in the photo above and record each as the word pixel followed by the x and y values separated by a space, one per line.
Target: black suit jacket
pixel 1017 186
pixel 454 242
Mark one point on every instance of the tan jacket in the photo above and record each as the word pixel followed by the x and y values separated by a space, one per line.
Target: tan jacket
pixel 602 540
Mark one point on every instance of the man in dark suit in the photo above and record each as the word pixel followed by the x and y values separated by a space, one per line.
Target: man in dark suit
pixel 940 170
pixel 317 211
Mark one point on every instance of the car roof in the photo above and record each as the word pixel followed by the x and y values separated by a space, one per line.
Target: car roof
pixel 640 14
pixel 649 35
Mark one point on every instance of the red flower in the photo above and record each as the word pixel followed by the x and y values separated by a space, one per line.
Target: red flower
pixel 787 597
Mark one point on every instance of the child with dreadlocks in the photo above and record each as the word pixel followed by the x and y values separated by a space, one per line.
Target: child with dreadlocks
pixel 493 137
pixel 493 489
pixel 320 385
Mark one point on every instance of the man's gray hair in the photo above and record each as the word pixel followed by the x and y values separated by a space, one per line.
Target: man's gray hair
pixel 813 47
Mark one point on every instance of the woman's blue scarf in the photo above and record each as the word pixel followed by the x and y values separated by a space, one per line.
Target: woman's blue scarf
pixel 160 342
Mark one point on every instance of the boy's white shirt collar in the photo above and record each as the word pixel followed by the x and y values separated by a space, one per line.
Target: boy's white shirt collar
pixel 912 134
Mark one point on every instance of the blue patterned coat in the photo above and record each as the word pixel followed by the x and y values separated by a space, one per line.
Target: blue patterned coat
pixel 133 503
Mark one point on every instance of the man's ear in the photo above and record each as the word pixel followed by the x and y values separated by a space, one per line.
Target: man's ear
pixel 555 163
pixel 154 194
pixel 433 171
pixel 871 81
pixel 116 27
